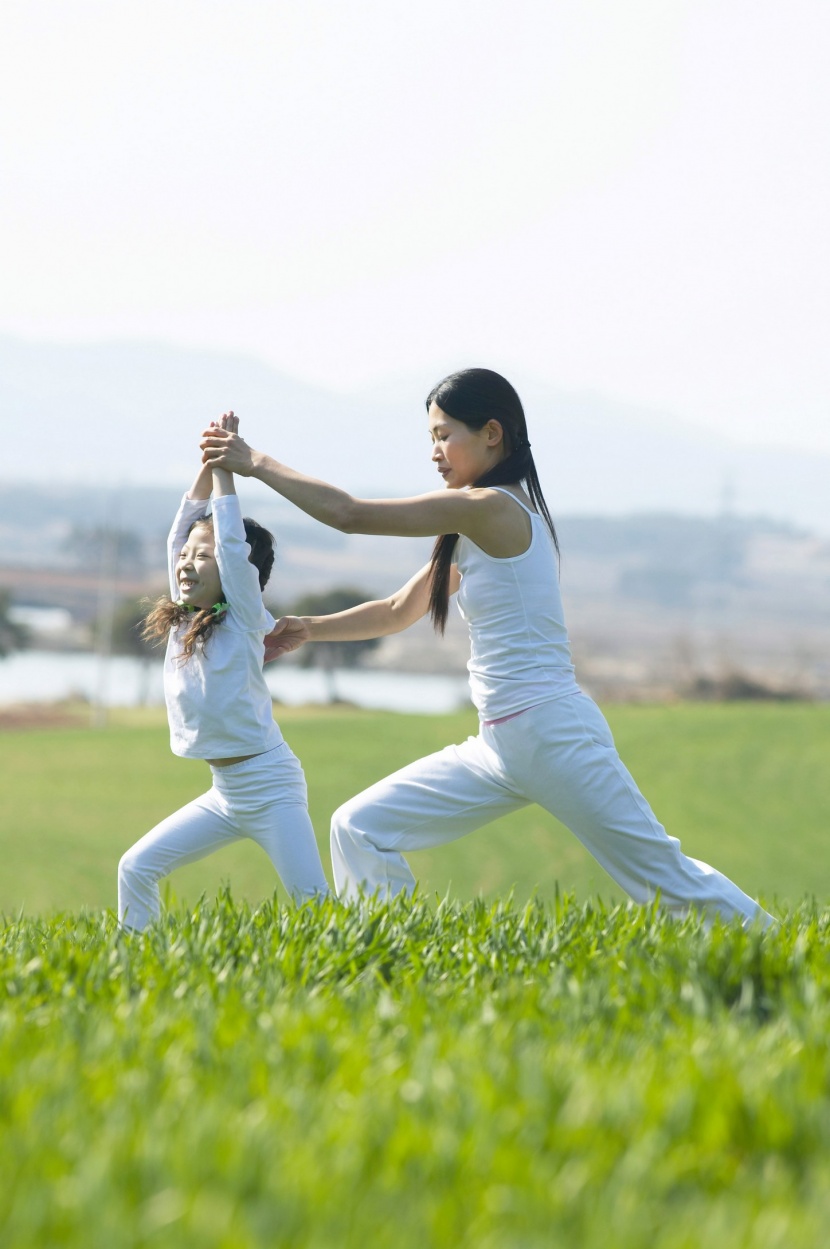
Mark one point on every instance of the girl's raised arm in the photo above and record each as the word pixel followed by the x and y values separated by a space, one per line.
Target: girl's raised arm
pixel 203 484
pixel 222 477
pixel 191 507
pixel 239 577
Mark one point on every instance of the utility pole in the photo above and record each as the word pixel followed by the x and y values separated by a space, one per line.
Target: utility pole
pixel 105 616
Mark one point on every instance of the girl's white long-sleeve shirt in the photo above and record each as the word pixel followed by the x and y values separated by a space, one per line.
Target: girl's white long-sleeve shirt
pixel 218 704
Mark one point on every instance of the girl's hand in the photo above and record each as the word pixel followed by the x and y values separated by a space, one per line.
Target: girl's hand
pixel 227 421
pixel 288 634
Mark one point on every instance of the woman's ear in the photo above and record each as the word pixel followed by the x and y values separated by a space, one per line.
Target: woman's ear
pixel 495 433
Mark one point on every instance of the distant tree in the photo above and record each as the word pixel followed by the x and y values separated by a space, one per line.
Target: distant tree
pixel 86 545
pixel 13 636
pixel 127 623
pixel 331 655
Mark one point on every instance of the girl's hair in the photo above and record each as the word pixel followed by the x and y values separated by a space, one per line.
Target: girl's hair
pixel 165 615
pixel 476 396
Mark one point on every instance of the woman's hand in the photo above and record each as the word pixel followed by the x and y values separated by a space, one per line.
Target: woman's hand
pixel 223 448
pixel 288 634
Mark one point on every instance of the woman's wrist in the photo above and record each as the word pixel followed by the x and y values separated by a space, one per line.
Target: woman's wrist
pixel 259 463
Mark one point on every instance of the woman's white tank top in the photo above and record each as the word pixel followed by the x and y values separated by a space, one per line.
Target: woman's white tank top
pixel 519 650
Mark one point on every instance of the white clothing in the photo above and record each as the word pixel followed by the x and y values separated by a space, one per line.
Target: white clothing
pixel 519 650
pixel 541 740
pixel 218 704
pixel 560 755
pixel 263 798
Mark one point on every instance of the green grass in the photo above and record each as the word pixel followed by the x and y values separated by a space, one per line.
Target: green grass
pixel 744 787
pixel 504 1074
pixel 407 1076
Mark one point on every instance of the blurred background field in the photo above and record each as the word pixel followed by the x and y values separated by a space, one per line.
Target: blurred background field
pixel 745 787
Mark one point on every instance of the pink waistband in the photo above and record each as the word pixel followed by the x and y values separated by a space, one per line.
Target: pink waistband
pixel 503 719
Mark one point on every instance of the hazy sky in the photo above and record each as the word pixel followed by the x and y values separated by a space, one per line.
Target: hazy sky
pixel 630 197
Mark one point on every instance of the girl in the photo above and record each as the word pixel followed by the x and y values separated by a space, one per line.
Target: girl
pixel 219 706
pixel 541 739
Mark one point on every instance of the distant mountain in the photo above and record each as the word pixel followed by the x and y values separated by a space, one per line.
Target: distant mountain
pixel 132 413
pixel 119 414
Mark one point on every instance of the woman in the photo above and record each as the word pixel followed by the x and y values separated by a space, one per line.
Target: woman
pixel 541 739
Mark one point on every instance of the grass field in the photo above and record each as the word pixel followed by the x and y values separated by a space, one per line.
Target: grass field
pixel 745 787
pixel 472 1073
pixel 413 1077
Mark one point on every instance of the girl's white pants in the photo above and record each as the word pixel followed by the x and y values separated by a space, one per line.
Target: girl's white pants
pixel 264 798
pixel 559 754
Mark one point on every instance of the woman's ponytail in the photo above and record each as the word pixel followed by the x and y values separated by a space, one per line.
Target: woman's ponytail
pixel 476 396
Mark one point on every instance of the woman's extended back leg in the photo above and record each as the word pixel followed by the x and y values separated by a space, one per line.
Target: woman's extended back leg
pixel 562 756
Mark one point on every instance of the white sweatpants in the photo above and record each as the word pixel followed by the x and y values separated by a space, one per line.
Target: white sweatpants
pixel 264 798
pixel 560 755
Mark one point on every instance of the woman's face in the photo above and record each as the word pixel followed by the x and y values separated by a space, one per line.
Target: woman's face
pixel 197 573
pixel 462 454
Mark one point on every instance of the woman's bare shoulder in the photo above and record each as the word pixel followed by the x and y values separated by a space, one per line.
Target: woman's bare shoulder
pixel 500 496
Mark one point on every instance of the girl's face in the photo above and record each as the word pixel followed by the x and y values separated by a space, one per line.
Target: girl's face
pixel 462 454
pixel 197 574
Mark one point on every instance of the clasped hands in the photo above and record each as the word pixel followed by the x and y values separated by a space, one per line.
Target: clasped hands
pixel 223 448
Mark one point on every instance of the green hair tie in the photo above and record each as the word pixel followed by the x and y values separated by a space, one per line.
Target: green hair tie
pixel 216 609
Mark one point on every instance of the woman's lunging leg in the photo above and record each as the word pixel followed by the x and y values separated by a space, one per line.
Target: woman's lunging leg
pixel 560 755
pixel 432 801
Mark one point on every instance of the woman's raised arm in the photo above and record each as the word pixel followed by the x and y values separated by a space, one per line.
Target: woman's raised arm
pixel 470 512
